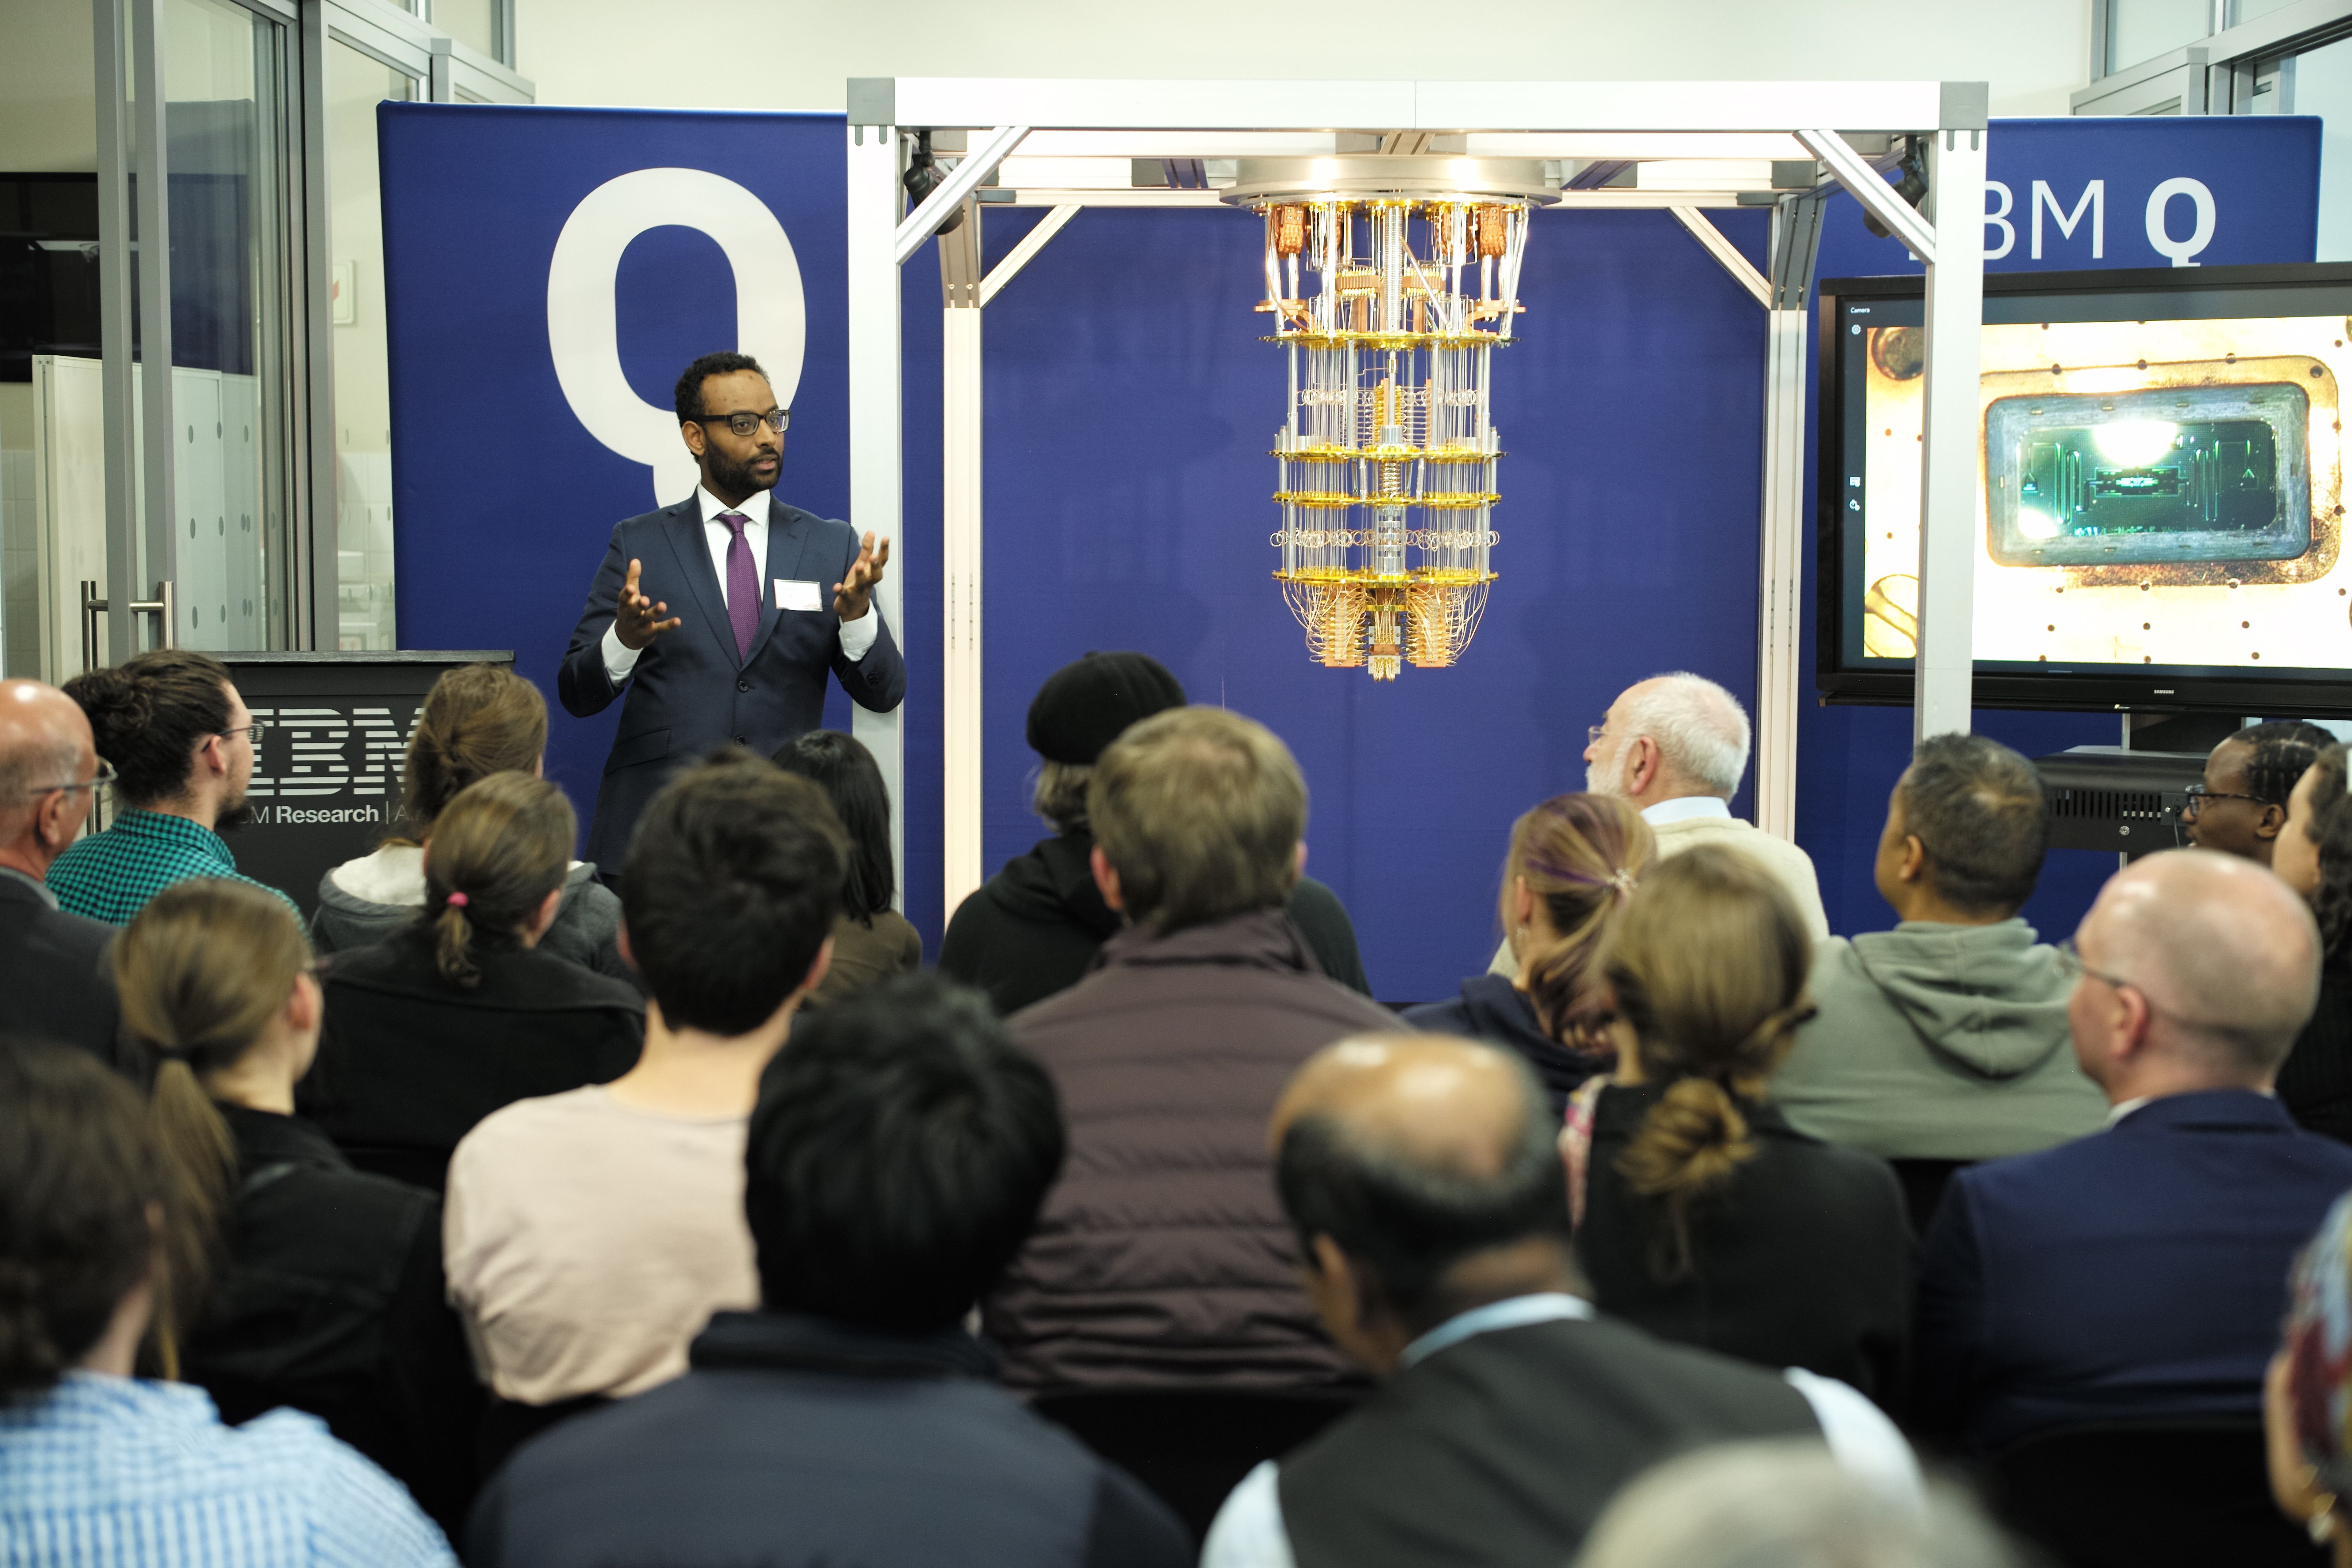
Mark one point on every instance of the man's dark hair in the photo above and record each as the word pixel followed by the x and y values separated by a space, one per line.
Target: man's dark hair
pixel 80 1179
pixel 2279 752
pixel 1405 1224
pixel 1976 807
pixel 733 882
pixel 688 395
pixel 148 715
pixel 840 765
pixel 899 1154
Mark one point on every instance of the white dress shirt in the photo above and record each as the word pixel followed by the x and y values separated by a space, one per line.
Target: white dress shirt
pixel 1249 1533
pixel 856 637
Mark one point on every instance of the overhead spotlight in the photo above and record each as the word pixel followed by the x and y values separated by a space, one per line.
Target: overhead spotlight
pixel 924 176
pixel 1911 187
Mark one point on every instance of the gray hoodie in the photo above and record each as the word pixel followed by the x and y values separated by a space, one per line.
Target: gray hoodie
pixel 1939 1042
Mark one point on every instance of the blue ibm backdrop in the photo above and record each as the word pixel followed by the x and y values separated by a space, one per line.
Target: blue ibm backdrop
pixel 1130 406
pixel 503 501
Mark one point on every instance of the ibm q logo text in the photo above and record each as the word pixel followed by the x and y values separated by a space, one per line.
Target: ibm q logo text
pixel 325 762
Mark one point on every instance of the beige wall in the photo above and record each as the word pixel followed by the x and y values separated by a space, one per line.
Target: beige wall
pixel 49 119
pixel 796 54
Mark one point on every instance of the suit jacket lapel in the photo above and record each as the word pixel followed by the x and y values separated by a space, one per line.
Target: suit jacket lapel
pixel 693 550
pixel 788 535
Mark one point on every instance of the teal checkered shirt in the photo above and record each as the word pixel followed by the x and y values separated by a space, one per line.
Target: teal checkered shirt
pixel 111 876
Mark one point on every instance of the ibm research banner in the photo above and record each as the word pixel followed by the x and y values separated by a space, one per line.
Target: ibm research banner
pixel 548 272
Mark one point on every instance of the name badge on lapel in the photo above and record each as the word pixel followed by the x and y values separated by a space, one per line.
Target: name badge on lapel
pixel 792 596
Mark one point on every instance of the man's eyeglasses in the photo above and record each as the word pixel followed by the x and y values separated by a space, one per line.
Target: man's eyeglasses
pixel 2199 795
pixel 105 776
pixel 1592 733
pixel 250 731
pixel 2070 960
pixel 777 419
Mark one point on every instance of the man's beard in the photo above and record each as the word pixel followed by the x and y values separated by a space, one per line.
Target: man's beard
pixel 726 474
pixel 233 817
pixel 1613 785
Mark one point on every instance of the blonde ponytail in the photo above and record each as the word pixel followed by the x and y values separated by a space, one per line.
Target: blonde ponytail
pixel 1707 968
pixel 201 971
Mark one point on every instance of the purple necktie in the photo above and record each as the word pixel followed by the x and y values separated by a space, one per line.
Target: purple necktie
pixel 742 585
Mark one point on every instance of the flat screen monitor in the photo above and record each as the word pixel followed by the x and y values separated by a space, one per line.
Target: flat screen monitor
pixel 2160 512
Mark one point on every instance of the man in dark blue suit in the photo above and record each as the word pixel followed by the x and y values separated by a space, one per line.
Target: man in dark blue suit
pixel 2139 1273
pixel 769 599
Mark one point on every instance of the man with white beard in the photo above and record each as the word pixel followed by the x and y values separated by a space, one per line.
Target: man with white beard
pixel 1675 746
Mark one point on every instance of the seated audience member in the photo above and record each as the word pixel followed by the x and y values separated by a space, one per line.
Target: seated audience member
pixel 181 743
pixel 1704 1217
pixel 53 965
pixel 1034 928
pixel 2139 1273
pixel 896 1159
pixel 326 1294
pixel 1675 746
pixel 591 1234
pixel 2314 856
pixel 871 941
pixel 458 1013
pixel 1161 1260
pixel 1785 1504
pixel 98 1467
pixel 2241 805
pixel 478 720
pixel 1573 862
pixel 1946 1038
pixel 2308 1387
pixel 1433 1212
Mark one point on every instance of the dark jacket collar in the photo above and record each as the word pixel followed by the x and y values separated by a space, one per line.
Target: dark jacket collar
pixel 1056 882
pixel 1263 939
pixel 2245 1110
pixel 266 1138
pixel 24 888
pixel 794 1341
pixel 513 977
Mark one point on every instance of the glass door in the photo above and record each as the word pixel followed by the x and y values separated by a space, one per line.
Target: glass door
pixel 230 426
pixel 356 83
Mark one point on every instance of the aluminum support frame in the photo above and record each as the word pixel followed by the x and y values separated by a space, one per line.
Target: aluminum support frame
pixel 1956 111
pixel 1945 669
pixel 1781 607
pixel 962 702
pixel 876 481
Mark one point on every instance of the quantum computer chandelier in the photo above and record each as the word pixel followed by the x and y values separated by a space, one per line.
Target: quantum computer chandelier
pixel 1392 280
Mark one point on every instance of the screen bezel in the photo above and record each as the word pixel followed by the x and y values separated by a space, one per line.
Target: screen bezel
pixel 2075 690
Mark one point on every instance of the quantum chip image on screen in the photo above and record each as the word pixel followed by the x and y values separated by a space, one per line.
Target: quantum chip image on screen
pixel 2171 474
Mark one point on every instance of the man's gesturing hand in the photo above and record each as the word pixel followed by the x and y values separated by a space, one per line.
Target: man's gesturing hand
pixel 634 621
pixel 854 593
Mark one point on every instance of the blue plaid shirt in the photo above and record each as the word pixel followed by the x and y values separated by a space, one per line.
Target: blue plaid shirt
pixel 111 876
pixel 112 1472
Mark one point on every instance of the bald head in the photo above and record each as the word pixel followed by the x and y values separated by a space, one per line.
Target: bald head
pixel 45 741
pixel 1412 1153
pixel 2226 954
pixel 1438 1103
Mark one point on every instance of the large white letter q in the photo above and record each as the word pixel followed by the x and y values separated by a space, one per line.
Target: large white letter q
pixel 2200 202
pixel 582 325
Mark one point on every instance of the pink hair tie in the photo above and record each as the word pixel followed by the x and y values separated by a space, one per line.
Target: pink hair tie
pixel 456 900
